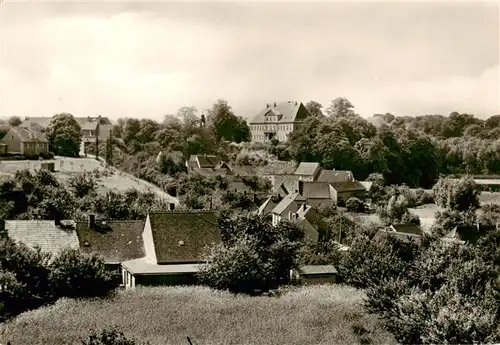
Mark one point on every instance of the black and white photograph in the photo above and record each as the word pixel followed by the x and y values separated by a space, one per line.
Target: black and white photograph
pixel 249 173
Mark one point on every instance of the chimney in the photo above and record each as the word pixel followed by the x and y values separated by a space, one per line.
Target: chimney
pixel 275 104
pixel 301 187
pixel 57 220
pixel 267 105
pixel 295 102
pixel 171 206
pixel 91 221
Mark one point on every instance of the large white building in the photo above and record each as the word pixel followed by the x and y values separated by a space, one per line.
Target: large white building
pixel 277 120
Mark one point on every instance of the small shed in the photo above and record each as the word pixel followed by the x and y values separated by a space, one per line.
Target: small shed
pixel 315 274
pixel 50 166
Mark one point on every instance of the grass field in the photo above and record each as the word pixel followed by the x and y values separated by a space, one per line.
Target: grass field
pixel 67 167
pixel 318 315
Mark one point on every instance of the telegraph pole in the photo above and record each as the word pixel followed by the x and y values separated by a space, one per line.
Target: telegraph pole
pixel 97 137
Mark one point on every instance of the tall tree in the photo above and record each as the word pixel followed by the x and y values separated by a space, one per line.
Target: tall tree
pixel 15 121
pixel 226 125
pixel 188 115
pixel 341 107
pixel 314 108
pixel 64 135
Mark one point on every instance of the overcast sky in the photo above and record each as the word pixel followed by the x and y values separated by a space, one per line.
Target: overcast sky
pixel 147 60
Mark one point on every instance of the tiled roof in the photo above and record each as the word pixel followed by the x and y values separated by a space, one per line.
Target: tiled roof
pixel 144 266
pixel 43 233
pixel 348 186
pixel 405 237
pixel 276 168
pixel 333 176
pixel 118 241
pixel 287 201
pixel 315 190
pixel 28 135
pixel 317 269
pixel 208 161
pixel 307 168
pixel 209 172
pixel 239 186
pixel 182 236
pixel 266 207
pixel 286 111
pixel 407 228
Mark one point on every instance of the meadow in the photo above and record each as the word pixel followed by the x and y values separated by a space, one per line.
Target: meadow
pixel 319 315
pixel 111 180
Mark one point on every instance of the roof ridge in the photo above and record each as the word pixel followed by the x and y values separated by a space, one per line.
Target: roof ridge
pixel 183 212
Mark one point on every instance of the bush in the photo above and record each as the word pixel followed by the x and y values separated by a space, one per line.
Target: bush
pixel 82 184
pixel 74 274
pixel 109 337
pixel 355 205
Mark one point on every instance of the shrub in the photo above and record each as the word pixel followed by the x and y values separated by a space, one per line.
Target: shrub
pixel 75 274
pixel 110 337
pixel 82 184
pixel 355 205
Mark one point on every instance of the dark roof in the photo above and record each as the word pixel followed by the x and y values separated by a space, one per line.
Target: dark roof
pixel 194 230
pixel 266 207
pixel 307 168
pixel 238 186
pixel 408 228
pixel 315 190
pixel 286 112
pixel 287 201
pixel 42 233
pixel 118 241
pixel 208 161
pixel 466 233
pixel 405 237
pixel 348 186
pixel 28 135
pixel 333 176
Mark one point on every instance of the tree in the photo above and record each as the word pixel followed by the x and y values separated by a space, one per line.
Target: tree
pixel 314 108
pixel 15 121
pixel 254 256
pixel 226 125
pixel 64 135
pixel 188 115
pixel 355 205
pixel 82 184
pixel 75 275
pixel 341 107
pixel 459 195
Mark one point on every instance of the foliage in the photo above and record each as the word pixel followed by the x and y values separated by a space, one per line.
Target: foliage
pixel 461 195
pixel 82 184
pixel 226 125
pixel 314 108
pixel 355 205
pixel 15 121
pixel 75 275
pixel 64 135
pixel 109 337
pixel 255 255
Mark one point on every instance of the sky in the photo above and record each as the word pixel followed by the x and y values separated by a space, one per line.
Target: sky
pixel 145 60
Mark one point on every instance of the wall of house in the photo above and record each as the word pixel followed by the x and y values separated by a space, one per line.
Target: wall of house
pixel 128 279
pixel 147 238
pixel 318 279
pixel 34 148
pixel 158 280
pixel 12 141
pixel 281 129
pixel 333 195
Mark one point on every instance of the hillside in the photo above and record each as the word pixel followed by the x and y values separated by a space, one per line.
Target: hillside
pixel 65 167
pixel 311 315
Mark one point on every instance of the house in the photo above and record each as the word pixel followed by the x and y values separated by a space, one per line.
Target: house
pixel 51 236
pixel 317 193
pixel 277 120
pixel 90 126
pixel 26 142
pixel 466 233
pixel 115 241
pixel 267 207
pixel 404 232
pixel 314 274
pixel 174 243
pixel 309 221
pixel 202 162
pixel 287 208
pixel 307 171
pixel 343 191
